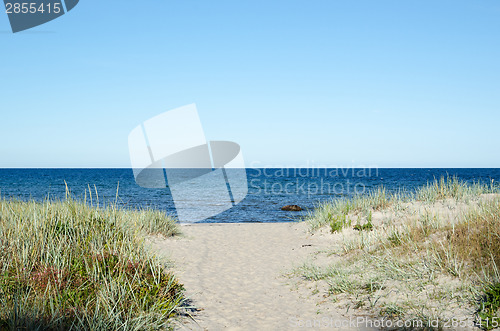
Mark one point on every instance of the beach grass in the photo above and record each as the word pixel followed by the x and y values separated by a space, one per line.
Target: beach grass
pixel 427 255
pixel 68 265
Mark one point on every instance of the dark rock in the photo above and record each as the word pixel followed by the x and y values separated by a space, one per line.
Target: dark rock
pixel 291 208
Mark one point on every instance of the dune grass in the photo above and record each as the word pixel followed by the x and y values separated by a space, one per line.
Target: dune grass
pixel 329 212
pixel 445 188
pixel 426 255
pixel 67 265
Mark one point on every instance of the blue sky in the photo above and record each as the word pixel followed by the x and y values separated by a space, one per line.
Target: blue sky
pixel 295 83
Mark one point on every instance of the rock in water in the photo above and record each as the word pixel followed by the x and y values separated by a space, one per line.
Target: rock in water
pixel 291 208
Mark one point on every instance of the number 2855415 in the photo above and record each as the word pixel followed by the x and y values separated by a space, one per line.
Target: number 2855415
pixel 32 8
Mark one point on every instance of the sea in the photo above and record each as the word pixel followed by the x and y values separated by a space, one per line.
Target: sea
pixel 269 189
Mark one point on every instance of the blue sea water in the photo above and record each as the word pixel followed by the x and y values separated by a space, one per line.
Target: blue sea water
pixel 268 189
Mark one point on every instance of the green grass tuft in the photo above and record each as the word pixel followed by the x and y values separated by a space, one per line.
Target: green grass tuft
pixel 339 222
pixel 368 226
pixel 488 316
pixel 365 227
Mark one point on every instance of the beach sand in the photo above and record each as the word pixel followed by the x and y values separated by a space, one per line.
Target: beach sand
pixel 239 277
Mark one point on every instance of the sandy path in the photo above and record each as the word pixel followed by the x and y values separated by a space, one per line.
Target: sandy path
pixel 235 274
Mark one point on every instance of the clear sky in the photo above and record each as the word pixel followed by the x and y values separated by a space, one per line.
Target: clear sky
pixel 295 83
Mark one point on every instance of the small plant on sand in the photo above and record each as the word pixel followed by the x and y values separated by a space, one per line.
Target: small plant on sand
pixel 368 226
pixel 339 222
pixel 488 313
pixel 395 238
pixel 392 311
pixel 365 227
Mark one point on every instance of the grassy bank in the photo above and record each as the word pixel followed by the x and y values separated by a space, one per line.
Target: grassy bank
pixel 423 256
pixel 66 265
